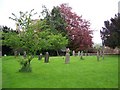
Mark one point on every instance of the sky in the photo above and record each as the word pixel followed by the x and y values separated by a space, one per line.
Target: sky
pixel 95 11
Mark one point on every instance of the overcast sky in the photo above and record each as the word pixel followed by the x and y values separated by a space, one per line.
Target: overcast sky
pixel 96 11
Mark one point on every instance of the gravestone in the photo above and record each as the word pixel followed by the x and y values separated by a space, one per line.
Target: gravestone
pixel 85 54
pixel 67 56
pixel 97 55
pixel 15 53
pixel 103 54
pixel 40 56
pixel 73 53
pixel 46 57
pixel 100 53
pixel 81 55
pixel 78 53
pixel 24 55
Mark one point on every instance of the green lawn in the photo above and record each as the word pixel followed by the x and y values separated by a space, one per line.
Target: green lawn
pixel 87 73
pixel 0 73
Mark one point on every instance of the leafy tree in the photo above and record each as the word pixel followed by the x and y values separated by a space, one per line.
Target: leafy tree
pixel 12 39
pixel 55 20
pixel 32 37
pixel 110 34
pixel 62 20
pixel 27 38
pixel 57 42
pixel 8 33
pixel 78 29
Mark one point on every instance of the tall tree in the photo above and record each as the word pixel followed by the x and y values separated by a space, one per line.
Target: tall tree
pixel 55 20
pixel 110 34
pixel 27 38
pixel 33 37
pixel 78 29
pixel 57 42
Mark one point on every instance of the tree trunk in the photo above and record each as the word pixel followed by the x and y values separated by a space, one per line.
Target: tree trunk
pixel 57 52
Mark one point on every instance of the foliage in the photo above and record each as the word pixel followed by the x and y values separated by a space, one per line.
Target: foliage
pixel 57 41
pixel 55 20
pixel 78 29
pixel 6 29
pixel 25 64
pixel 110 34
pixel 13 40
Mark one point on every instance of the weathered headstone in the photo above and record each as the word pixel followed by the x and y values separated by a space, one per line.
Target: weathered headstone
pixel 15 53
pixel 46 57
pixel 67 56
pixel 100 53
pixel 103 54
pixel 85 54
pixel 97 55
pixel 81 55
pixel 73 53
pixel 40 56
pixel 78 53
pixel 24 55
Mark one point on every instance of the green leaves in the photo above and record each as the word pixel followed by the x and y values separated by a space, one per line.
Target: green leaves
pixel 12 39
pixel 57 41
pixel 38 34
pixel 110 34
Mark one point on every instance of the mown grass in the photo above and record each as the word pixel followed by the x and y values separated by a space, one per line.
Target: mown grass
pixel 87 73
pixel 0 73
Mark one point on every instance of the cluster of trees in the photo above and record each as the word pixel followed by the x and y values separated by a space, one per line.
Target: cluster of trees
pixel 58 29
pixel 110 34
pixel 33 37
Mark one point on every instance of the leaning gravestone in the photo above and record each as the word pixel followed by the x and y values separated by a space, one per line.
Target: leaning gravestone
pixel 46 57
pixel 67 56
pixel 81 55
pixel 73 53
pixel 78 53
pixel 24 55
pixel 40 56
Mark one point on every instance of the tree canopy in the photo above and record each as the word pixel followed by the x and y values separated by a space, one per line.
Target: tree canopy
pixel 58 28
pixel 78 29
pixel 110 34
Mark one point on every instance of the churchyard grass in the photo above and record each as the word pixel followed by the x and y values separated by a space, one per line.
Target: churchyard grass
pixel 87 73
